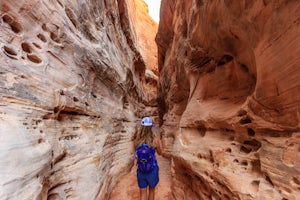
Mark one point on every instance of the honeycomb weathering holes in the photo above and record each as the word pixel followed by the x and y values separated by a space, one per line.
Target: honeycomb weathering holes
pixel 36 45
pixel 34 58
pixel 245 149
pixel 255 184
pixel 14 25
pixel 42 37
pixel 296 181
pixel 253 143
pixel 44 27
pixel 225 59
pixel 75 99
pixel 250 145
pixel 10 51
pixel 245 120
pixel 26 47
pixel 228 150
pixel 202 129
pixel 251 132
pixel 244 162
pixel 71 16
pixel 54 37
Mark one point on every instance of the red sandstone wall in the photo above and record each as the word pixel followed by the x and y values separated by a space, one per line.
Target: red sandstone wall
pixel 229 97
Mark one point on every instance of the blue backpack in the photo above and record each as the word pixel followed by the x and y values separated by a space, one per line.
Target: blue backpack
pixel 146 159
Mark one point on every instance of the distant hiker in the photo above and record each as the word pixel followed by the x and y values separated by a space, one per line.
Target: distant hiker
pixel 147 168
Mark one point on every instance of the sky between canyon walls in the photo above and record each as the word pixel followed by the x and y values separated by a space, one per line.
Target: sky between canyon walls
pixel 154 7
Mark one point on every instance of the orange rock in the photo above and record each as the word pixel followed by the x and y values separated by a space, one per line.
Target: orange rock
pixel 229 98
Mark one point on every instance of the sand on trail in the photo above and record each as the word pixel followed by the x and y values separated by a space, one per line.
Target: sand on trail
pixel 127 188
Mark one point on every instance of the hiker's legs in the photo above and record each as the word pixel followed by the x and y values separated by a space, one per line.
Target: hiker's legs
pixel 143 193
pixel 151 193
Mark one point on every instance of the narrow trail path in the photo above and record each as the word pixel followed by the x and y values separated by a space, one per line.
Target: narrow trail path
pixel 127 188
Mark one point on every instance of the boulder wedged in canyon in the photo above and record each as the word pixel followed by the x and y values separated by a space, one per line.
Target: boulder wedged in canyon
pixel 229 98
pixel 73 80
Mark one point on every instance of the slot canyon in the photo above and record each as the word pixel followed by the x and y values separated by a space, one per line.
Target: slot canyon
pixel 220 79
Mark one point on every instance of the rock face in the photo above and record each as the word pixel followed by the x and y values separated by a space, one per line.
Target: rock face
pixel 143 26
pixel 72 87
pixel 229 98
pixel 145 30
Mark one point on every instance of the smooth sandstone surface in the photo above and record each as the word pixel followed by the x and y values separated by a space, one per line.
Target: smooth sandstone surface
pixel 229 98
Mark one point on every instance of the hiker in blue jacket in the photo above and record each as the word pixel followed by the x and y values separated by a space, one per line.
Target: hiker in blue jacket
pixel 147 168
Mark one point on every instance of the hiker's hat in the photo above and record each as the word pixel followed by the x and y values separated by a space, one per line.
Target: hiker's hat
pixel 147 121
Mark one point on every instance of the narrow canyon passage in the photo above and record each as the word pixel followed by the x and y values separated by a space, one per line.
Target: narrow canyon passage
pixel 127 187
pixel 219 78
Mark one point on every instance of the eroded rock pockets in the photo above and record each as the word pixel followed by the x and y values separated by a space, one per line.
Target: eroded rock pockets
pixel 71 83
pixel 223 100
pixel 31 48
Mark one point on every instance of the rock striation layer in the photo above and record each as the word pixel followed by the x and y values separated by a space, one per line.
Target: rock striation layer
pixel 73 80
pixel 229 98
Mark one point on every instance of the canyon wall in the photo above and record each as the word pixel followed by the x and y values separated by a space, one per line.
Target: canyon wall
pixel 229 98
pixel 73 80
